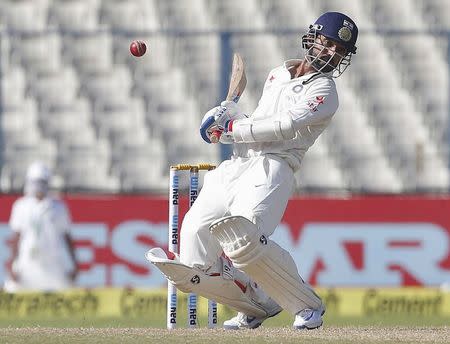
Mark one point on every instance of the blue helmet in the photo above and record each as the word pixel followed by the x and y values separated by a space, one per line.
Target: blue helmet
pixel 337 27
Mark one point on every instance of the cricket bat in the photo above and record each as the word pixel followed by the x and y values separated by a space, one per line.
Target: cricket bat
pixel 238 81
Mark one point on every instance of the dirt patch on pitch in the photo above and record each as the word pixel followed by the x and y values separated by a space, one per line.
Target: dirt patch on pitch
pixel 264 335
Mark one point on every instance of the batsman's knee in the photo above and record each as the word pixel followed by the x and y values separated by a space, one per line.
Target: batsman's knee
pixel 241 239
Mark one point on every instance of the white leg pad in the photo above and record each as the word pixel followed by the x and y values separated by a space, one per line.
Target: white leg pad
pixel 265 262
pixel 219 283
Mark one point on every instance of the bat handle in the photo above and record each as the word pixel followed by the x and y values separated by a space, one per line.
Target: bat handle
pixel 215 136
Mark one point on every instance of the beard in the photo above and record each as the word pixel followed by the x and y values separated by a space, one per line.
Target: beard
pixel 323 63
pixel 323 66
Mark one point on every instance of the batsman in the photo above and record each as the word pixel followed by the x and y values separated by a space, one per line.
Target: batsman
pixel 226 253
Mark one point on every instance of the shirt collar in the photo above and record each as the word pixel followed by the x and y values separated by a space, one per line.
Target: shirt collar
pixel 292 62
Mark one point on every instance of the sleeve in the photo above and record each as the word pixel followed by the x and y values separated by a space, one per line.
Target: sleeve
pixel 318 104
pixel 16 218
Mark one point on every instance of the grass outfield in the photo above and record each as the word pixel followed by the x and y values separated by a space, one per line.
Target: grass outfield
pixel 337 330
pixel 284 319
pixel 335 335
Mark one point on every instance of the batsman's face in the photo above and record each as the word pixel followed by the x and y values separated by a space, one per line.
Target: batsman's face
pixel 328 51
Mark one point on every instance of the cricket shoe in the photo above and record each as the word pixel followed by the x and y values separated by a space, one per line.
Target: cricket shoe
pixel 309 318
pixel 242 321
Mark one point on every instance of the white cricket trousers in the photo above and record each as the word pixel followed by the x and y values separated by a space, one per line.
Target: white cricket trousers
pixel 257 188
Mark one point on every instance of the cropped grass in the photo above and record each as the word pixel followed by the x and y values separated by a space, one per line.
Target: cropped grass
pixel 284 319
pixel 338 335
pixel 151 329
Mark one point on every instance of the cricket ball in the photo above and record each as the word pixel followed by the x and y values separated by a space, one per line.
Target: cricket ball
pixel 138 48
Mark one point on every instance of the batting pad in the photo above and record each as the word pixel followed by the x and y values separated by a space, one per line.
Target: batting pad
pixel 265 262
pixel 217 283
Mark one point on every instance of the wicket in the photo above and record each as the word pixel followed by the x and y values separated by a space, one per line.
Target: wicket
pixel 174 195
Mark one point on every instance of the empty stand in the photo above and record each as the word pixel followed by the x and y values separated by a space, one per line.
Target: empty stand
pixel 319 172
pixel 37 51
pixel 89 51
pixel 55 88
pixel 131 15
pixel 13 86
pixel 75 15
pixel 25 15
pixel 73 95
pixel 435 13
pixel 236 14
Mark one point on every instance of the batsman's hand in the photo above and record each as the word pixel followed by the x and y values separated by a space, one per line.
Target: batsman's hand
pixel 208 125
pixel 218 121
pixel 225 121
pixel 231 112
pixel 213 123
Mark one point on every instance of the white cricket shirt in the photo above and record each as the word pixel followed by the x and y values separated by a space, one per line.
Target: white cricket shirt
pixel 41 225
pixel 311 101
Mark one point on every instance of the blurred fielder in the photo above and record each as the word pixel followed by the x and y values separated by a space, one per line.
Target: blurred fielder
pixel 41 229
pixel 244 199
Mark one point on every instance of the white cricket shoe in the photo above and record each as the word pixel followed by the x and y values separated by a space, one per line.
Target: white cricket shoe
pixel 309 318
pixel 242 321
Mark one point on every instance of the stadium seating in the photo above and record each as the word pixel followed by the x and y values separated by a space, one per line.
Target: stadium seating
pixel 89 51
pixel 319 171
pixel 13 85
pixel 73 95
pixel 131 15
pixel 236 14
pixel 435 13
pixel 182 15
pixel 46 87
pixel 37 51
pixel 75 15
pixel 140 166
pixel 25 15
pixel 14 168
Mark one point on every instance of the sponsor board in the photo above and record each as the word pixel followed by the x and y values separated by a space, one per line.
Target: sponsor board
pixel 386 301
pixel 137 303
pixel 357 242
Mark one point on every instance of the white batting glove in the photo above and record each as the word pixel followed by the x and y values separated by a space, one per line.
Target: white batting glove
pixel 210 113
pixel 208 125
pixel 225 123
pixel 233 109
pixel 219 120
pixel 229 111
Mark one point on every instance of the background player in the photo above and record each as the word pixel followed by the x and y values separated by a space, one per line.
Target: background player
pixel 244 199
pixel 41 232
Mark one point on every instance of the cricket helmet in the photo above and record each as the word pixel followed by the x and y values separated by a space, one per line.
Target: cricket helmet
pixel 337 27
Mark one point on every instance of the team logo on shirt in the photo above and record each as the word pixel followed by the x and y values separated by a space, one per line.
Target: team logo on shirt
pixel 320 99
pixel 297 88
pixel 314 104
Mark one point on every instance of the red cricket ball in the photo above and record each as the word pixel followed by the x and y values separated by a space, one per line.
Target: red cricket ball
pixel 138 48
